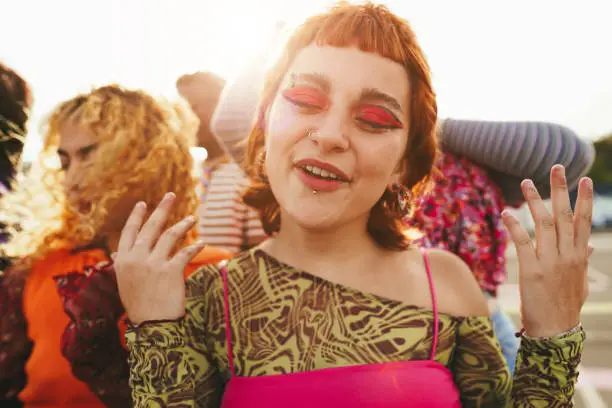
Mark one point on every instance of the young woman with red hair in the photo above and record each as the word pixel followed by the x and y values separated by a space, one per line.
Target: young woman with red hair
pixel 337 308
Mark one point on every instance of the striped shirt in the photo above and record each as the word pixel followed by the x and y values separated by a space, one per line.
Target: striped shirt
pixel 225 222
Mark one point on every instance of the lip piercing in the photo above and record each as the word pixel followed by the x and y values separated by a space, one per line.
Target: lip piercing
pixel 314 191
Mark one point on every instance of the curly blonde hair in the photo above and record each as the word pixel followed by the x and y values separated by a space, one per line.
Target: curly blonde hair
pixel 143 151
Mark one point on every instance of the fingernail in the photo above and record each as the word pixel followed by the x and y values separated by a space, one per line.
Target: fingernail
pixel 141 204
pixel 190 219
pixel 528 183
pixel 169 196
pixel 561 171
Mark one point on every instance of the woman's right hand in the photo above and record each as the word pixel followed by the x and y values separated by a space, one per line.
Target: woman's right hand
pixel 151 283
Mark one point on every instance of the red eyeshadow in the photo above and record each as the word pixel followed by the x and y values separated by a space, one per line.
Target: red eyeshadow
pixel 378 115
pixel 306 96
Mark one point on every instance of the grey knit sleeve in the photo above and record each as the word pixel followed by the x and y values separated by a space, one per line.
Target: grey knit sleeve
pixel 235 113
pixel 514 151
pixel 237 108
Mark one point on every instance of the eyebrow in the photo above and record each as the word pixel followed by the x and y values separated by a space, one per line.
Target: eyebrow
pixel 81 152
pixel 318 79
pixel 373 95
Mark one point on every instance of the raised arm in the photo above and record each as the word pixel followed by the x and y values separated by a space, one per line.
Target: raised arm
pixel 170 365
pixel 553 286
pixel 519 150
pixel 236 110
pixel 553 290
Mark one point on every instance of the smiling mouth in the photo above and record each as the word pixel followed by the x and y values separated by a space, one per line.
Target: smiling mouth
pixel 322 174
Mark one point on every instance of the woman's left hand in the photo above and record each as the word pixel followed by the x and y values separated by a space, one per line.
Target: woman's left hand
pixel 553 274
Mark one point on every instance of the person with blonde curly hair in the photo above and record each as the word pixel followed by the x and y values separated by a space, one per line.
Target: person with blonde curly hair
pixel 338 308
pixel 60 314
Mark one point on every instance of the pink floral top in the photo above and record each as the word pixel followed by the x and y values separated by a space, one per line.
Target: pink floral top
pixel 463 215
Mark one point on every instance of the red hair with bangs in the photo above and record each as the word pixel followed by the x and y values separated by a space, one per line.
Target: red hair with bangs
pixel 371 28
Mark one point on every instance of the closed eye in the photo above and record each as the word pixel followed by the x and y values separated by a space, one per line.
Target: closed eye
pixel 377 117
pixel 306 97
pixel 85 152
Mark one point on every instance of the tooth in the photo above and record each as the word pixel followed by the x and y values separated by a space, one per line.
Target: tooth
pixel 325 173
pixel 316 170
pixel 309 167
pixel 332 175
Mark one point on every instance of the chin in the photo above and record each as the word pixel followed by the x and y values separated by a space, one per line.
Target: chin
pixel 319 211
pixel 315 222
pixel 313 216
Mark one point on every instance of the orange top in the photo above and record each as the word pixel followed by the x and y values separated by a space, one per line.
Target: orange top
pixel 50 380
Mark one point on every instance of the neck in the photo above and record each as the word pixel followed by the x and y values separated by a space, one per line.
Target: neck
pixel 349 245
pixel 107 238
pixel 112 243
pixel 100 243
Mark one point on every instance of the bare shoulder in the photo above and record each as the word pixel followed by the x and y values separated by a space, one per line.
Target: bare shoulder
pixel 457 291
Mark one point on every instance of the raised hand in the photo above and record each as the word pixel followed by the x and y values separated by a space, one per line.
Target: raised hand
pixel 151 283
pixel 553 274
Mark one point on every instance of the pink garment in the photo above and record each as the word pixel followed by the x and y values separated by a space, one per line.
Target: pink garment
pixel 424 383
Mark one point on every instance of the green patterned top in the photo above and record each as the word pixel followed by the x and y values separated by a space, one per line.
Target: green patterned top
pixel 284 320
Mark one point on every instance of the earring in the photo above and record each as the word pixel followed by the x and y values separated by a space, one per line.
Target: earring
pixel 397 200
pixel 261 163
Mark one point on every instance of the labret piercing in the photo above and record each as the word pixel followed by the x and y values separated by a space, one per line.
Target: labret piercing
pixel 314 191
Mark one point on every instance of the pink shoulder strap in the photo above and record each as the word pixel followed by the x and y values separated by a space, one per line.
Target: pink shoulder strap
pixel 228 329
pixel 434 302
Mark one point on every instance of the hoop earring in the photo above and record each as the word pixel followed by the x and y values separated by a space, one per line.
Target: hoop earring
pixel 261 163
pixel 397 201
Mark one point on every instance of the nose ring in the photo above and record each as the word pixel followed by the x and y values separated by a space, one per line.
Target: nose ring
pixel 312 132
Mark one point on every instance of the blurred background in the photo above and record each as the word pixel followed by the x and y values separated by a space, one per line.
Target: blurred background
pixel 524 60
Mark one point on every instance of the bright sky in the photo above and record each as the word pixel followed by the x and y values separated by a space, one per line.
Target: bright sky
pixel 521 60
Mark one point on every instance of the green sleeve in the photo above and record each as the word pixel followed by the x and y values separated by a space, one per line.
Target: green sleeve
pixel 171 364
pixel 545 376
pixel 478 366
pixel 547 370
